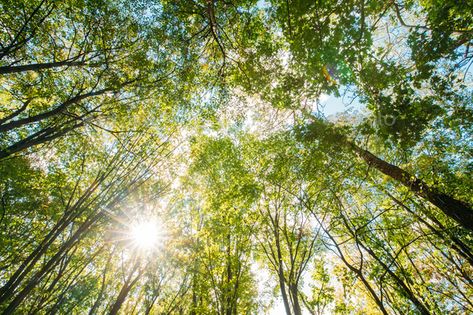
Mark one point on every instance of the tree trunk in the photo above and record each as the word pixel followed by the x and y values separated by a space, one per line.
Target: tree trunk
pixel 40 137
pixel 97 302
pixel 458 210
pixel 295 299
pixel 39 66
pixel 50 264
pixel 357 272
pixel 26 266
pixel 282 286
pixel 405 290
pixel 450 240
pixel 282 283
pixel 53 112
pixel 228 298
pixel 125 290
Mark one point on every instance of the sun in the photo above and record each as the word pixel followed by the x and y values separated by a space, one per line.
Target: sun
pixel 146 235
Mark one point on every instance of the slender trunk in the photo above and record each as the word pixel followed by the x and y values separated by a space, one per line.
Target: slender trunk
pixel 70 214
pixel 194 296
pixel 282 286
pixel 405 290
pixel 458 210
pixel 126 288
pixel 295 299
pixel 150 306
pixel 50 264
pixel 121 298
pixel 228 307
pixel 455 243
pixel 66 285
pixel 279 262
pixel 108 203
pixel 282 282
pixel 358 273
pixel 26 32
pixel 10 287
pixel 53 112
pixel 40 137
pixel 102 286
pixel 309 308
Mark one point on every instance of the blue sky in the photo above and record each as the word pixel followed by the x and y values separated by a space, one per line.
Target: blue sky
pixel 332 105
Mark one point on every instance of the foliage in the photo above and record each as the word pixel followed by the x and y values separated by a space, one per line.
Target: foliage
pixel 173 157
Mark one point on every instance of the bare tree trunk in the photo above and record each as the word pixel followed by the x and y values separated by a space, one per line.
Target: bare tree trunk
pixel 451 240
pixel 295 299
pixel 458 210
pixel 50 264
pixel 358 272
pixel 281 277
pixel 405 290
pixel 102 286
pixel 39 66
pixel 126 288
pixel 40 137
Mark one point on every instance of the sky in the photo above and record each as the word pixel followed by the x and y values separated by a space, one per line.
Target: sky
pixel 332 105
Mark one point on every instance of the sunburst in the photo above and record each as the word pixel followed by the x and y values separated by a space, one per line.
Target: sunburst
pixel 146 235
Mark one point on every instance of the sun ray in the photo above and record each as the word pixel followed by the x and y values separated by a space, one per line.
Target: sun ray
pixel 145 235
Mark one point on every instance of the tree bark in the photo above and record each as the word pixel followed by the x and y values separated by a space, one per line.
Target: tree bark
pixel 457 210
pixel 358 272
pixel 405 290
pixel 56 111
pixel 127 286
pixel 45 135
pixel 39 66
pixel 295 299
pixel 50 264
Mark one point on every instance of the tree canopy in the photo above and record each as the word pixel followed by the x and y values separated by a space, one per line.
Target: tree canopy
pixel 236 157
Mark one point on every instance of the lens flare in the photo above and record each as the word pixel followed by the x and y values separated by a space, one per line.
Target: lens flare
pixel 146 235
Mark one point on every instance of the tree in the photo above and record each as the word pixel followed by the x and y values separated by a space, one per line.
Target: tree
pixel 183 157
pixel 86 66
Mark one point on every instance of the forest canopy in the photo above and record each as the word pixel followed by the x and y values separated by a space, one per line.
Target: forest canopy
pixel 236 157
